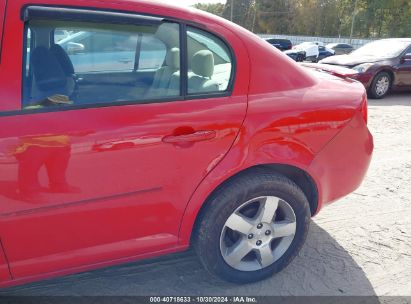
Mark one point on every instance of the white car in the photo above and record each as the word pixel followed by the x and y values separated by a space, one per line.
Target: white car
pixel 311 50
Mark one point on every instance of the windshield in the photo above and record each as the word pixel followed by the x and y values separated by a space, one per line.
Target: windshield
pixel 382 48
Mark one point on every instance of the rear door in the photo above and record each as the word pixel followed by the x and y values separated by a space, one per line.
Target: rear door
pixel 87 182
pixel 4 270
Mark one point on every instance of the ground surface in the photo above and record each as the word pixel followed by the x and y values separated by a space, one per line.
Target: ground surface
pixel 360 245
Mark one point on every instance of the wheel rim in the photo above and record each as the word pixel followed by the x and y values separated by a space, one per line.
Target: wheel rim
pixel 258 233
pixel 382 85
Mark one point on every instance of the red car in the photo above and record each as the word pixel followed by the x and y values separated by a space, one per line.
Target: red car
pixel 207 136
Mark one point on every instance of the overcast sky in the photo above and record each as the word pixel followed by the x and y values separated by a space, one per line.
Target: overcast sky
pixel 191 2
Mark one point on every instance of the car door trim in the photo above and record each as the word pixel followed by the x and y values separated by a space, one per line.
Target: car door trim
pixel 34 12
pixel 29 12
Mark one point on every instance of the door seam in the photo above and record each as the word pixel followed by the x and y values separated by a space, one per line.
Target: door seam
pixel 6 258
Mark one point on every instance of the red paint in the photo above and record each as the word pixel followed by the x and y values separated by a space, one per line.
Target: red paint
pixel 4 267
pixel 139 174
pixel 2 12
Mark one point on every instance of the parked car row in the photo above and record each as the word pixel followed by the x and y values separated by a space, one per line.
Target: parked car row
pixel 382 66
pixel 313 51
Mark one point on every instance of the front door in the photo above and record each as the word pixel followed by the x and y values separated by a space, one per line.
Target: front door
pixel 88 177
pixel 404 71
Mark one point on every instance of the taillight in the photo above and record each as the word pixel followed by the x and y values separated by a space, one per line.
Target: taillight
pixel 364 108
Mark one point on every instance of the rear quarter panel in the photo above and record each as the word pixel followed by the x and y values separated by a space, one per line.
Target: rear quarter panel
pixel 285 126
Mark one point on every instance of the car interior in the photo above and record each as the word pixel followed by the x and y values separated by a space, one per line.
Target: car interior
pixel 105 63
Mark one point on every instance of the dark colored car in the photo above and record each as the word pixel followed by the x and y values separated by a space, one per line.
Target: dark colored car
pixel 340 48
pixel 296 55
pixel 382 65
pixel 281 44
pixel 324 52
pixel 285 45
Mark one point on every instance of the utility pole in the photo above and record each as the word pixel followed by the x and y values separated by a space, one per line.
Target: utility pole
pixel 255 14
pixel 353 20
pixel 232 10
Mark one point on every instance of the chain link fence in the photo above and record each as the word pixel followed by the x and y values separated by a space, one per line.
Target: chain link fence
pixel 356 43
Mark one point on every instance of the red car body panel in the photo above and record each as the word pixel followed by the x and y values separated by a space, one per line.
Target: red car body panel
pixel 2 12
pixel 140 196
pixel 4 268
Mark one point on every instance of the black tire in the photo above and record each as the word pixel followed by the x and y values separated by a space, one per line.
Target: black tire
pixel 225 200
pixel 373 91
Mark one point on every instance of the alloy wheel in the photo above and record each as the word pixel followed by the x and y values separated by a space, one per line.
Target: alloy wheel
pixel 258 233
pixel 382 85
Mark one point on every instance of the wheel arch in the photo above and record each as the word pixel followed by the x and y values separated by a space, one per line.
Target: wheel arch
pixel 387 70
pixel 300 177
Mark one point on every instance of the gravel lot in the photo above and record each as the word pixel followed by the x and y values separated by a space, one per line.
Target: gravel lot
pixel 360 245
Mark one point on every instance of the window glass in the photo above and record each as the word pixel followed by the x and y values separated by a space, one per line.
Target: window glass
pixel 100 50
pixel 78 63
pixel 152 54
pixel 209 62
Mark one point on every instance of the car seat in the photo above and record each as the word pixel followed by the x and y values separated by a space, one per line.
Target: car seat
pixel 167 78
pixel 53 73
pixel 202 69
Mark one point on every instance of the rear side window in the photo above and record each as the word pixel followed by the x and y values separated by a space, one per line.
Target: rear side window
pixel 209 62
pixel 79 63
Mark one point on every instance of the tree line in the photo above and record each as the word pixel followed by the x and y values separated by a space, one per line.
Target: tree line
pixel 333 18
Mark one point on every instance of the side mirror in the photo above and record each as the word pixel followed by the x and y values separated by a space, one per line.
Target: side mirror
pixel 74 48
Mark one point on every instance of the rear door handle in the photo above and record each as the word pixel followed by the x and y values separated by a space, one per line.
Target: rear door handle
pixel 192 137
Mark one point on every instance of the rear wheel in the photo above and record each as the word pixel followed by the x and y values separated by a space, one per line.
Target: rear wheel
pixel 252 227
pixel 380 86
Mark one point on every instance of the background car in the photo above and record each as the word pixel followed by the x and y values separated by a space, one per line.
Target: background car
pixel 382 65
pixel 281 44
pixel 324 52
pixel 311 50
pixel 285 45
pixel 340 48
pixel 296 54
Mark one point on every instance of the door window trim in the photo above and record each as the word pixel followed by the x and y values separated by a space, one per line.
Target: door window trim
pixel 2 24
pixel 38 12
pixel 30 12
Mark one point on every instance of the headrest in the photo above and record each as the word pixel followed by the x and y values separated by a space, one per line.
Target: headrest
pixel 169 34
pixel 202 63
pixel 63 58
pixel 48 72
pixel 173 58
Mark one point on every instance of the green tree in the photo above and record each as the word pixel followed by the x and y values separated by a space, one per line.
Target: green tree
pixel 373 18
